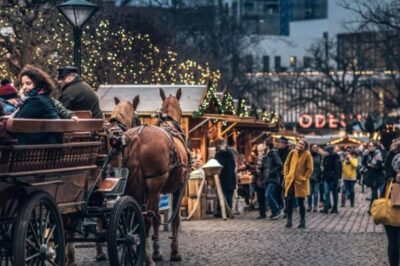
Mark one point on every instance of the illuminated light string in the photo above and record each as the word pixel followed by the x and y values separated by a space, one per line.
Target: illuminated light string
pixel 128 57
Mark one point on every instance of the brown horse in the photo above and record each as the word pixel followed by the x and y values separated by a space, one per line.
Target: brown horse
pixel 158 161
pixel 123 116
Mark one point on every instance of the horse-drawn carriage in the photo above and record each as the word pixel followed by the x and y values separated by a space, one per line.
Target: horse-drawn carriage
pixel 57 193
pixel 78 191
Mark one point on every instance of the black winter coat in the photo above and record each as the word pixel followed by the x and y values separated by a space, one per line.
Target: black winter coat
pixel 40 107
pixel 332 168
pixel 271 167
pixel 317 159
pixel 79 96
pixel 228 175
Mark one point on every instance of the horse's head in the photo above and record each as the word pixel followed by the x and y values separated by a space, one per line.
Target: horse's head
pixel 124 113
pixel 171 106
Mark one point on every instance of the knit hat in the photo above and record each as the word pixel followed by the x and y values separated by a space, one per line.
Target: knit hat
pixel 8 91
pixel 284 140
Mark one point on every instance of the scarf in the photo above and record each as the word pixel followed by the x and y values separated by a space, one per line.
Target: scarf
pixel 37 91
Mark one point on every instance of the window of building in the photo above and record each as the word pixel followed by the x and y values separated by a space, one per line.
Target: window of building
pixel 266 67
pixel 306 62
pixel 248 63
pixel 293 61
pixel 308 9
pixel 278 66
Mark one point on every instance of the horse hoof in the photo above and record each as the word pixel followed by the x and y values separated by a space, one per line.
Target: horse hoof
pixel 101 257
pixel 157 257
pixel 176 257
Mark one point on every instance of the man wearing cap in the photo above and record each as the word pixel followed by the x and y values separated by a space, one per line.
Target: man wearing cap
pixel 77 95
pixel 8 97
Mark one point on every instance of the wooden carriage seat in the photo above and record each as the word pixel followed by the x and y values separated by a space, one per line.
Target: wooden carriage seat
pixel 83 114
pixel 22 125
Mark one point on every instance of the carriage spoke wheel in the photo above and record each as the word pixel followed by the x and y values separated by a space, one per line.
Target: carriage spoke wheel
pixel 39 239
pixel 126 233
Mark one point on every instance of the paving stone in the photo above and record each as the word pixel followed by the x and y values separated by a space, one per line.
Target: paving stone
pixel 347 238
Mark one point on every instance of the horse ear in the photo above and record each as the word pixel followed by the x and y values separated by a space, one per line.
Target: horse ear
pixel 162 94
pixel 117 101
pixel 179 93
pixel 135 102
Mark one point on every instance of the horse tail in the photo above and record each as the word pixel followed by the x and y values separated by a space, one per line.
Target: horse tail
pixel 136 184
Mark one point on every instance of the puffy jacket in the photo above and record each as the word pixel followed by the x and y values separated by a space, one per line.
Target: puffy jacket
pixel 42 107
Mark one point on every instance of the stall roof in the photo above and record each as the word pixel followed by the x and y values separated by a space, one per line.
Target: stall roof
pixel 150 100
pixel 241 122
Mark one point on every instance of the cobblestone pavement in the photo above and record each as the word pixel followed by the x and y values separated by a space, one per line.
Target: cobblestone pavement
pixel 349 238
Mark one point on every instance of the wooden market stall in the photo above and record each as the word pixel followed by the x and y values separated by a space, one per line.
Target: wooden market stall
pixel 201 130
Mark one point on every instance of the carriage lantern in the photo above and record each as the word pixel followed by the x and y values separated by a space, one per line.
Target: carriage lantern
pixel 77 12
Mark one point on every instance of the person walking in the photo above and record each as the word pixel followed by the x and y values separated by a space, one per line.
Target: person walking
pixel 77 95
pixel 255 166
pixel 374 174
pixel 331 173
pixel 283 150
pixel 349 176
pixel 315 179
pixel 271 173
pixel 298 169
pixel 392 171
pixel 227 176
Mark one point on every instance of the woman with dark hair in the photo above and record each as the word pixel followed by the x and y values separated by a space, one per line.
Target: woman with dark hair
pixel 297 172
pixel 38 87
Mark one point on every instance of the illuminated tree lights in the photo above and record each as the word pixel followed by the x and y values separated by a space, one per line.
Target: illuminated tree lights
pixel 243 110
pixel 109 55
pixel 211 103
pixel 228 106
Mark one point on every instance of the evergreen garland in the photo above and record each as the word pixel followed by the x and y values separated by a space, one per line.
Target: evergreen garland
pixel 211 102
pixel 228 106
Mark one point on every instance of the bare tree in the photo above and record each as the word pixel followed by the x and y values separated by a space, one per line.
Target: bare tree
pixel 338 86
pixel 383 19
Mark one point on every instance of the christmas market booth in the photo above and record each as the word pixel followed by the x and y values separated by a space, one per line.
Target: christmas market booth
pixel 206 116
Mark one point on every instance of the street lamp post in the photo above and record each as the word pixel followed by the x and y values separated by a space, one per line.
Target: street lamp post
pixel 77 12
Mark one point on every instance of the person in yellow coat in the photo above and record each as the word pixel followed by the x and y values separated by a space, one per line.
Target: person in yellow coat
pixel 297 171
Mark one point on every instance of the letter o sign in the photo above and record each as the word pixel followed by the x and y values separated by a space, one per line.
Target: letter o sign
pixel 305 121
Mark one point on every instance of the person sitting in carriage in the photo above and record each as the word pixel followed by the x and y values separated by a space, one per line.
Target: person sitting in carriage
pixel 9 97
pixel 38 87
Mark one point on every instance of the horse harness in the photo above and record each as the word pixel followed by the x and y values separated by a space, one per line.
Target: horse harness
pixel 170 132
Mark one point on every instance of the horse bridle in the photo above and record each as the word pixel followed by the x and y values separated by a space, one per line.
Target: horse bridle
pixel 134 122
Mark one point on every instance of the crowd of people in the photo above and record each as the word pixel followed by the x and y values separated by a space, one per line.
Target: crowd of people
pixel 36 98
pixel 288 176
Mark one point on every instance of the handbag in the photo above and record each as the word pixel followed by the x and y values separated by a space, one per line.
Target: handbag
pixel 395 195
pixel 383 212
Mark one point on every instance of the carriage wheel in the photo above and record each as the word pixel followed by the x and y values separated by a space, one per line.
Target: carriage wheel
pixel 126 233
pixel 39 239
pixel 10 200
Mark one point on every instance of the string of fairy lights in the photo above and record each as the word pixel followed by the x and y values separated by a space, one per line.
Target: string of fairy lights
pixel 109 55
